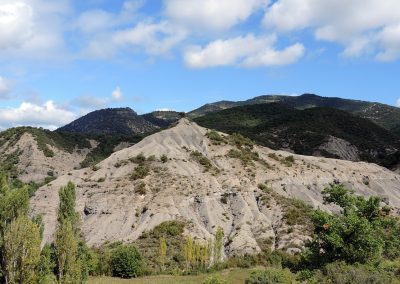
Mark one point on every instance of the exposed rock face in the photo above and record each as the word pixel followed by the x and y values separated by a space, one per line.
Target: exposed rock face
pixel 226 194
pixel 341 148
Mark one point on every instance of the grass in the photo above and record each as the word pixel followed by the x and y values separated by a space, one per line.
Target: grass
pixel 233 276
pixel 202 160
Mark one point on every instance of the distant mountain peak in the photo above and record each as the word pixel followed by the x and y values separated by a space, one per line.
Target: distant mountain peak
pixel 122 121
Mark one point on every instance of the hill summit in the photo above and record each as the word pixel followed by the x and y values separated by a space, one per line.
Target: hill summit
pixel 121 121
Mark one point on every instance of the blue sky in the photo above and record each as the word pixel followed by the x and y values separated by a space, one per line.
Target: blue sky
pixel 61 59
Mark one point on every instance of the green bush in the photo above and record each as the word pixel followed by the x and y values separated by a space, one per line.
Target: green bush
pixel 164 158
pixel 360 234
pixel 288 161
pixel 215 280
pixel 245 155
pixel 126 262
pixel 201 159
pixel 240 141
pixel 140 172
pixel 215 137
pixel 139 159
pixel 271 276
pixel 140 188
pixel 169 228
pixel 341 273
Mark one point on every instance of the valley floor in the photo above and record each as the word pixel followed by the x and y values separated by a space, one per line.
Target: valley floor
pixel 233 276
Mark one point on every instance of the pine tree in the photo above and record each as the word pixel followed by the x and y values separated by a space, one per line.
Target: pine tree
pixel 21 251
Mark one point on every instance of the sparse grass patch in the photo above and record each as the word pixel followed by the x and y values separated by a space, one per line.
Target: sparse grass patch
pixel 139 159
pixel 288 161
pixel 140 172
pixel 140 188
pixel 240 141
pixel 201 159
pixel 216 138
pixel 245 155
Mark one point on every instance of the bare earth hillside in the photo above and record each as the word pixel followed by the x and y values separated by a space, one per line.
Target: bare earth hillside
pixel 207 184
pixel 32 164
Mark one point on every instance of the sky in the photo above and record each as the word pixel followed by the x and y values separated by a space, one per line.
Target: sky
pixel 62 59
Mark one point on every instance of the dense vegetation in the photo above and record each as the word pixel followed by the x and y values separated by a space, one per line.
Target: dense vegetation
pixel 304 131
pixel 121 121
pixel 386 116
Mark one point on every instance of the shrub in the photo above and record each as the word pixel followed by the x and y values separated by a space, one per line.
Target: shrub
pixel 271 276
pixel 240 141
pixel 201 159
pixel 274 156
pixel 126 262
pixel 139 159
pixel 215 280
pixel 356 235
pixel 140 172
pixel 215 137
pixel 288 161
pixel 169 228
pixel 164 158
pixel 341 273
pixel 245 155
pixel 140 188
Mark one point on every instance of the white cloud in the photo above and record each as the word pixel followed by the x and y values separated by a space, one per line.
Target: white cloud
pixel 95 20
pixel 48 115
pixel 389 38
pixel 362 26
pixel 31 28
pixel 249 51
pixel 212 14
pixel 398 103
pixel 165 109
pixel 117 94
pixel 16 24
pixel 154 38
pixel 146 37
pixel 99 20
pixel 5 88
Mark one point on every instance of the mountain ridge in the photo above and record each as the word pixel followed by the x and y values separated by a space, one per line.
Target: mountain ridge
pixel 382 114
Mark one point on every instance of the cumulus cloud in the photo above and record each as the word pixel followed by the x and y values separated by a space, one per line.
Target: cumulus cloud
pixel 248 51
pixel 147 37
pixel 212 14
pixel 48 115
pixel 362 26
pixel 5 88
pixel 98 20
pixel 16 24
pixel 32 28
